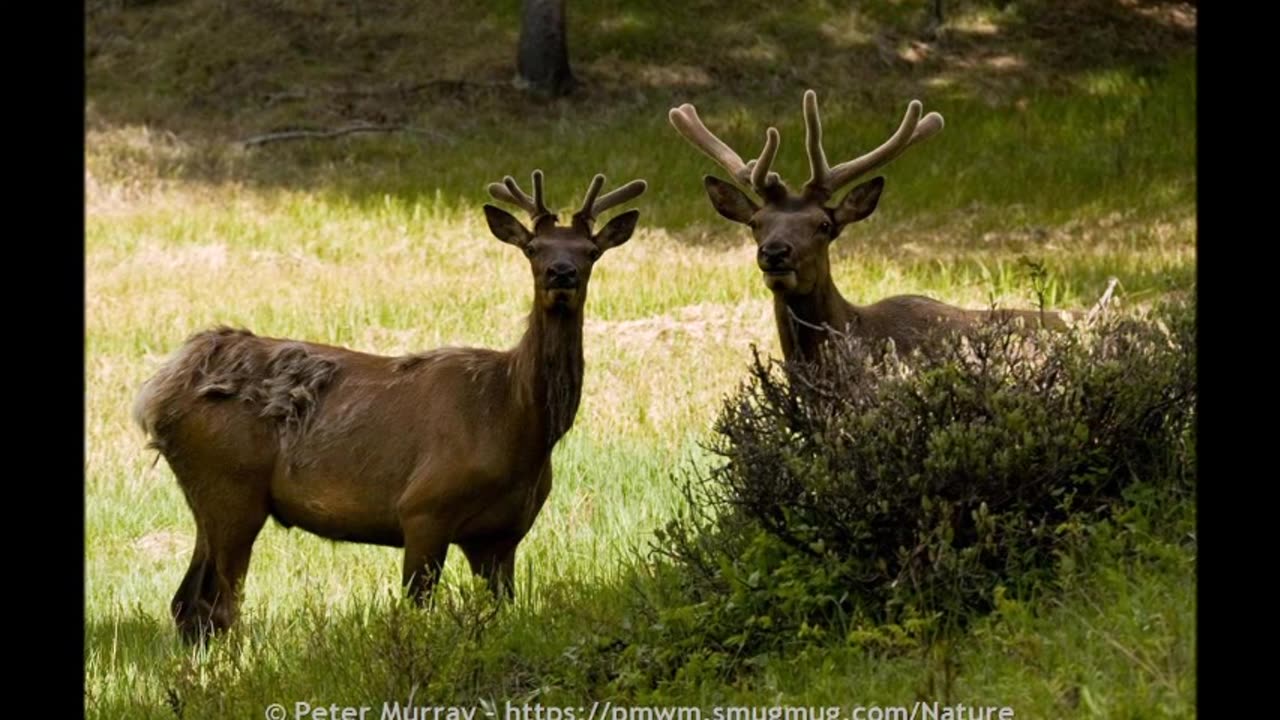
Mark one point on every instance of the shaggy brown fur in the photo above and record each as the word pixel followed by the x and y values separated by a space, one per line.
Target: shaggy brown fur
pixel 283 381
pixel 450 446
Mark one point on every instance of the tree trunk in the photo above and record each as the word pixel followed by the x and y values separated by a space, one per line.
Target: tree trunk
pixel 543 61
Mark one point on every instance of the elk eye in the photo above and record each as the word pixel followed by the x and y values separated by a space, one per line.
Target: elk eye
pixel 824 228
pixel 595 254
pixel 528 250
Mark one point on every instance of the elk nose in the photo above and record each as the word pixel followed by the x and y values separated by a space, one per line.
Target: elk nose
pixel 774 253
pixel 562 275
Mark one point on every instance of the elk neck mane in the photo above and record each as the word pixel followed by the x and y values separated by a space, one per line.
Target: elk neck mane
pixel 547 368
pixel 806 321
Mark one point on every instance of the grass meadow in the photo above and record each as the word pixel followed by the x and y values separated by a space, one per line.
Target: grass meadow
pixel 1084 165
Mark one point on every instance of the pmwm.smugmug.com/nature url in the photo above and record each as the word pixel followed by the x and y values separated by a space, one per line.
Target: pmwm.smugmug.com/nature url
pixel 918 710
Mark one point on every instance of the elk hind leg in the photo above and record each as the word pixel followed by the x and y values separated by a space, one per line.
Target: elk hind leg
pixel 230 511
pixel 232 547
pixel 189 609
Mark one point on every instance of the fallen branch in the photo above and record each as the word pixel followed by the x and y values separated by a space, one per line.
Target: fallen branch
pixel 282 136
pixel 397 89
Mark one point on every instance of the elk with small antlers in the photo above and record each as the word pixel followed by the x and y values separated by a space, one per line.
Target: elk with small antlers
pixel 793 232
pixel 449 446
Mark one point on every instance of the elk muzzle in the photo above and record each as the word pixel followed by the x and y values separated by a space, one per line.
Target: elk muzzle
pixel 562 283
pixel 775 261
pixel 562 276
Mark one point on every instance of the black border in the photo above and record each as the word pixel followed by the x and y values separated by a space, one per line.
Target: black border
pixel 1217 289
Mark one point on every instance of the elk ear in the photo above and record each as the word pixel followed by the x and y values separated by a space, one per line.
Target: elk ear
pixel 860 202
pixel 729 201
pixel 506 228
pixel 617 231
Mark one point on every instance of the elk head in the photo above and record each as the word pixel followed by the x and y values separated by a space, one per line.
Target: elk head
pixel 561 257
pixel 793 230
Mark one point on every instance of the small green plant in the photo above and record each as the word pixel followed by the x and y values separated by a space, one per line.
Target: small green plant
pixel 1043 287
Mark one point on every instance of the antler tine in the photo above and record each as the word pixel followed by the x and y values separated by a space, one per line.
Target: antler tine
pixel 618 196
pixel 503 192
pixel 913 129
pixel 537 193
pixel 819 170
pixel 593 190
pixel 929 125
pixel 761 178
pixel 509 191
pixel 686 121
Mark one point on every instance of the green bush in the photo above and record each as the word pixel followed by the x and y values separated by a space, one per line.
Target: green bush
pixel 877 499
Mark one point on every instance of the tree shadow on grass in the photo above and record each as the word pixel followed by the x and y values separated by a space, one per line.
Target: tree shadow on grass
pixel 174 88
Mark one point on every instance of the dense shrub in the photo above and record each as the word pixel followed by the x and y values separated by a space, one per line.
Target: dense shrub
pixel 875 495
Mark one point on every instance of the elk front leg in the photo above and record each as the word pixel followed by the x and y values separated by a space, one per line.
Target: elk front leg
pixel 494 558
pixel 426 546
pixel 495 561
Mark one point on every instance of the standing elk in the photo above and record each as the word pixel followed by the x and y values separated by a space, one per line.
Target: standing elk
pixel 448 446
pixel 794 231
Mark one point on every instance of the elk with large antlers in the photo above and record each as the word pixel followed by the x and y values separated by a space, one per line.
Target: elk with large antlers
pixel 793 232
pixel 449 446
